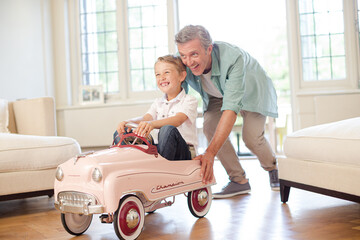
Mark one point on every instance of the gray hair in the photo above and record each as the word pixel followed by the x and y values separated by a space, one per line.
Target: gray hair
pixel 191 32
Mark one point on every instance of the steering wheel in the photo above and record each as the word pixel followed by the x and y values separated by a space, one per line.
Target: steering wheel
pixel 130 139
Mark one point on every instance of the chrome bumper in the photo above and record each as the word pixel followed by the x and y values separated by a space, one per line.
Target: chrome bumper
pixel 77 202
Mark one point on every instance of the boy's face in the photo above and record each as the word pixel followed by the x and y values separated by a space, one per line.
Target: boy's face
pixel 195 56
pixel 168 79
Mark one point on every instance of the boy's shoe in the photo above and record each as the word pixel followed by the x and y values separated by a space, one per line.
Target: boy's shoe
pixel 274 180
pixel 233 189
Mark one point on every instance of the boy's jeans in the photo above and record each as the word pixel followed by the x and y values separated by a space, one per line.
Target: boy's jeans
pixel 171 144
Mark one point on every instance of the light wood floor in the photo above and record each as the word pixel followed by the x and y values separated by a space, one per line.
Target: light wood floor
pixel 258 215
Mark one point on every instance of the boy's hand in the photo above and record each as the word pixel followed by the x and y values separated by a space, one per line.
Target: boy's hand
pixel 207 164
pixel 144 129
pixel 121 127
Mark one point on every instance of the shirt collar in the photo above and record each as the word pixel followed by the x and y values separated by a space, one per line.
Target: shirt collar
pixel 180 96
pixel 215 69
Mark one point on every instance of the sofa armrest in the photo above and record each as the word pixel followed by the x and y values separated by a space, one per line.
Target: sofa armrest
pixel 35 116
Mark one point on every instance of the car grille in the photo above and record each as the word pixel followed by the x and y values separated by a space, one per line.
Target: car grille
pixel 77 202
pixel 77 198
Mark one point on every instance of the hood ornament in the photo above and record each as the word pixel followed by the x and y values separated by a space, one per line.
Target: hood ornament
pixel 82 155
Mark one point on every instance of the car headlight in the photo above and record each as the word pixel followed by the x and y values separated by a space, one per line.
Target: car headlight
pixel 59 174
pixel 96 175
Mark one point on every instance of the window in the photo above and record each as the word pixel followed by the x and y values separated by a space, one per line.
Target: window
pixel 323 36
pixel 240 21
pixel 322 39
pixel 147 40
pixel 99 49
pixel 120 41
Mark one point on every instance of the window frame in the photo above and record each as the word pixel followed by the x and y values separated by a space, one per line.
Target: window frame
pixel 125 93
pixel 351 42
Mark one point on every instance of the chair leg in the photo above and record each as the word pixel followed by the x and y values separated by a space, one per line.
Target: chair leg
pixel 284 192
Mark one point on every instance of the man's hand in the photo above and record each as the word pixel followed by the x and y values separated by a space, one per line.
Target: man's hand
pixel 207 164
pixel 223 130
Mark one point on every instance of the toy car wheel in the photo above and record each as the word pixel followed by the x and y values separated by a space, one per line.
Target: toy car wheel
pixel 129 218
pixel 199 201
pixel 75 224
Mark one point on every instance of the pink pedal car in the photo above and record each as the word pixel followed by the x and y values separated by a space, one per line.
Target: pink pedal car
pixel 129 181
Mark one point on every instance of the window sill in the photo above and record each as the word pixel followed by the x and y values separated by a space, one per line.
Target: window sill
pixel 105 105
pixel 328 92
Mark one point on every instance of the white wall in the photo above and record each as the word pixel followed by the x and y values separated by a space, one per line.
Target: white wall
pixel 26 60
pixel 93 126
pixel 324 108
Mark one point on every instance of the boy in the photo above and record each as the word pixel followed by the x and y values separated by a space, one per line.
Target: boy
pixel 174 114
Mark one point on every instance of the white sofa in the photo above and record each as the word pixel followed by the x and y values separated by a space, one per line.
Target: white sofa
pixel 30 151
pixel 323 159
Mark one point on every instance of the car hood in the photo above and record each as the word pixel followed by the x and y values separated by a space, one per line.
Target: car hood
pixel 126 160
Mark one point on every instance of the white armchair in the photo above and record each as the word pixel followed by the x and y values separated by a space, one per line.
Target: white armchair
pixel 30 153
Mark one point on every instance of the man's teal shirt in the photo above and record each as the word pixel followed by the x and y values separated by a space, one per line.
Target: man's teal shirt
pixel 240 79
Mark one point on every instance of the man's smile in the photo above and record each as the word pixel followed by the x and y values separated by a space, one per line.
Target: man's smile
pixel 194 67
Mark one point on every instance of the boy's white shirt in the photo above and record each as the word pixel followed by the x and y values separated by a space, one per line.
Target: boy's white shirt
pixel 184 103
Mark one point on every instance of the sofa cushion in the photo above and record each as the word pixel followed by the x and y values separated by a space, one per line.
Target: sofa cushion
pixel 28 152
pixel 4 116
pixel 35 116
pixel 336 142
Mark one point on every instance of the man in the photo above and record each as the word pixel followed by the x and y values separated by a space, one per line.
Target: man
pixel 229 81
